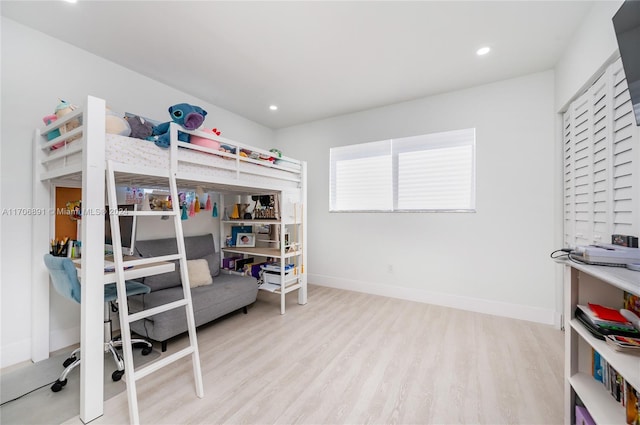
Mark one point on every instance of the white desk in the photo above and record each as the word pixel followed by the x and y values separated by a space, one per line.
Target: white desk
pixel 141 271
pixel 136 271
pixel 91 379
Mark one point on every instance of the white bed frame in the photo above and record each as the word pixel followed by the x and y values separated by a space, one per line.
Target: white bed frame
pixel 81 163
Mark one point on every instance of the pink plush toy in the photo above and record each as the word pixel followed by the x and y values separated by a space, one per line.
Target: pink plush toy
pixel 204 142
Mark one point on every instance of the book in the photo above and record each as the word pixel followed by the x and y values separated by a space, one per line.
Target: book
pixel 623 343
pixel 583 417
pixel 632 303
pixel 604 324
pixel 606 313
pixel 597 366
pixel 633 406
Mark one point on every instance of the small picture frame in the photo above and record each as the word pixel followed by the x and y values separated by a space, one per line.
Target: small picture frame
pixel 246 240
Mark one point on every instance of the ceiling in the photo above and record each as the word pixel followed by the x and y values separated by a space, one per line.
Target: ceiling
pixel 313 59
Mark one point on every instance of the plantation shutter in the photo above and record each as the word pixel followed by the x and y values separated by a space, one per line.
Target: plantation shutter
pixel 601 164
pixel 625 158
pixel 601 99
pixel 582 169
pixel 569 203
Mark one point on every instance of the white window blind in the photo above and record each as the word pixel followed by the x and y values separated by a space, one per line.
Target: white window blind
pixel 601 163
pixel 362 177
pixel 432 172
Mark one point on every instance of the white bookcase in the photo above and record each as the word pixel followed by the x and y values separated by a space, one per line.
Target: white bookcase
pixel 605 286
pixel 288 248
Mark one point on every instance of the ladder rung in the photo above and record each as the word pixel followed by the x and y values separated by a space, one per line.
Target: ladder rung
pixel 61 138
pixel 165 361
pixel 135 169
pixel 165 262
pixel 145 213
pixel 151 260
pixel 156 310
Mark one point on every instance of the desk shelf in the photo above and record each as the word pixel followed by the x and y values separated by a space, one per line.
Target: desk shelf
pixel 604 285
pixel 261 252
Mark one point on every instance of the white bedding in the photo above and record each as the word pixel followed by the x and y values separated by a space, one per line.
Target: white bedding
pixel 145 153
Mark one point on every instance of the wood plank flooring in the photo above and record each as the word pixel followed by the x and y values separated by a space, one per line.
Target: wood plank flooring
pixel 353 358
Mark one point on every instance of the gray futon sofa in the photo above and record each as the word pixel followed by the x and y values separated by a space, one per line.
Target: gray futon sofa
pixel 226 294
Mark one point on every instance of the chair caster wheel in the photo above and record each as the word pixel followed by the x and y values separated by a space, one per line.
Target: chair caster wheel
pixel 147 350
pixel 117 375
pixel 58 385
pixel 68 361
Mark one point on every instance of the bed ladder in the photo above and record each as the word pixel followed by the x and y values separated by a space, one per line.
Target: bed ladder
pixel 132 375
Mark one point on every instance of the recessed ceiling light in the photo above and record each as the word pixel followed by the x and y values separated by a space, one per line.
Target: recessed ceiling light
pixel 273 107
pixel 71 1
pixel 483 51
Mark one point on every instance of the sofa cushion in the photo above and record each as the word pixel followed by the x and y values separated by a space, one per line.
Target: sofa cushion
pixel 227 293
pixel 199 274
pixel 197 247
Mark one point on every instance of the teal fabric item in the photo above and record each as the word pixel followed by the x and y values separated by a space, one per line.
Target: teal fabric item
pixel 133 288
pixel 64 278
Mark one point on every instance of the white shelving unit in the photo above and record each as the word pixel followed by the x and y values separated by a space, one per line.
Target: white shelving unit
pixel 291 223
pixel 600 285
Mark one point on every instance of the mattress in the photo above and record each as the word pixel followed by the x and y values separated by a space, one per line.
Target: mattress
pixel 208 165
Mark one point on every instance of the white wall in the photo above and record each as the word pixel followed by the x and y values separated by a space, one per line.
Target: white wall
pixel 592 48
pixel 36 71
pixel 495 260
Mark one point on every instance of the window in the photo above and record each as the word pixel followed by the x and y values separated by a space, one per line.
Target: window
pixel 432 172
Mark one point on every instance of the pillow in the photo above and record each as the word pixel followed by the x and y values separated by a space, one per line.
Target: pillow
pixel 199 274
pixel 214 264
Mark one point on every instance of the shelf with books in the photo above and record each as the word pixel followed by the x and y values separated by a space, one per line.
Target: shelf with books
pixel 272 238
pixel 628 365
pixel 619 277
pixel 608 287
pixel 261 251
pixel 249 222
pixel 259 222
pixel 603 408
pixel 233 272
pixel 289 286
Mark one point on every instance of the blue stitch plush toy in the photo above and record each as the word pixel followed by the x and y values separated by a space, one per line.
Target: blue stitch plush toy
pixel 188 116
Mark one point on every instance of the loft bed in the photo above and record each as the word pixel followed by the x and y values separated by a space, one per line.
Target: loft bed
pixel 188 161
pixel 78 158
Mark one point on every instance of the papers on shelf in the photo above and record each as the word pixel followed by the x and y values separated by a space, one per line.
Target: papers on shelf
pixel 271 287
pixel 110 266
pixel 623 344
pixel 606 323
pixel 274 285
pixel 275 267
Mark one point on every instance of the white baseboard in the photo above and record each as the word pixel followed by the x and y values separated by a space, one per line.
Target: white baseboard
pixel 15 353
pixel 21 351
pixel 496 308
pixel 63 338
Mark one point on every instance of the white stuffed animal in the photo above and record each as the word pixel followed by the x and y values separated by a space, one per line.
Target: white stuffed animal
pixel 116 124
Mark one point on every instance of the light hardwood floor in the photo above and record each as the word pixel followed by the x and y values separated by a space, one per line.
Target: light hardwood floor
pixel 353 358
